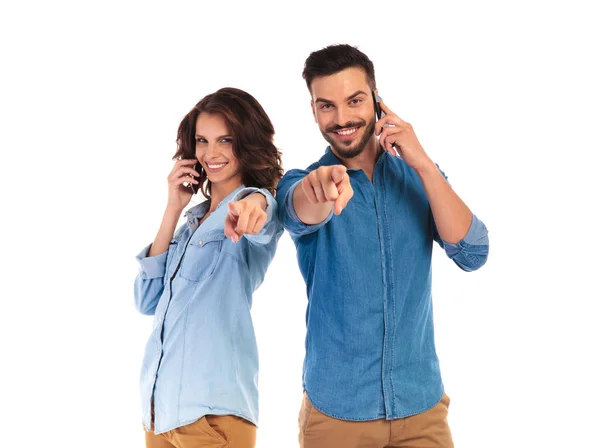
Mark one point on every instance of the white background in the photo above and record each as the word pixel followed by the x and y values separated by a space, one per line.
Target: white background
pixel 503 95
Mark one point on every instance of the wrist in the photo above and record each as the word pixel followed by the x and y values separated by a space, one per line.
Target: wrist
pixel 173 210
pixel 426 167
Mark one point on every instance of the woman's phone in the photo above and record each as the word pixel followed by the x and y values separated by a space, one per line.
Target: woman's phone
pixel 196 187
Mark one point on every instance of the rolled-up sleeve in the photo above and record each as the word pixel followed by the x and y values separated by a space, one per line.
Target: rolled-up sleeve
pixel 272 225
pixel 152 267
pixel 287 213
pixel 471 252
pixel 149 283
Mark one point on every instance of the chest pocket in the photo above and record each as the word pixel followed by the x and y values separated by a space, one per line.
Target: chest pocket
pixel 201 256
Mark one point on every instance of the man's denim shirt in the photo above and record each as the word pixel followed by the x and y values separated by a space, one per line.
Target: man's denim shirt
pixel 370 350
pixel 201 357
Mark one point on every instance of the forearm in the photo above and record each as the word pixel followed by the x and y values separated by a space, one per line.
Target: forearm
pixel 165 232
pixel 451 215
pixel 308 212
pixel 146 293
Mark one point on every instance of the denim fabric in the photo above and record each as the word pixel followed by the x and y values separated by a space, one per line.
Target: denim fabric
pixel 201 357
pixel 370 350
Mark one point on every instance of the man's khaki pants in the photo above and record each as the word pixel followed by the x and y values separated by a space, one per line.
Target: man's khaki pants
pixel 211 431
pixel 426 430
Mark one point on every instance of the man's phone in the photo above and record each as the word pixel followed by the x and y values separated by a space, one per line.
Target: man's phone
pixel 379 114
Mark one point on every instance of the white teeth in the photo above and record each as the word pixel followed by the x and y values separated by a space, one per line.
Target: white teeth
pixel 347 131
pixel 216 167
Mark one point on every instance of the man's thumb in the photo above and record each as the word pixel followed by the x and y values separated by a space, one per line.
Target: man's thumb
pixel 337 173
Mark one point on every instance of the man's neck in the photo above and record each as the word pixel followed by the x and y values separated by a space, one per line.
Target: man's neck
pixel 366 160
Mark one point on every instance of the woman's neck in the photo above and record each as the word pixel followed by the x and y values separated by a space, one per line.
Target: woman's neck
pixel 220 192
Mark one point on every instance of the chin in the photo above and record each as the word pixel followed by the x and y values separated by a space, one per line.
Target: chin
pixel 349 153
pixel 356 147
pixel 218 179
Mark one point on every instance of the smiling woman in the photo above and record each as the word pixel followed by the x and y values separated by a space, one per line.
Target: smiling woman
pixel 198 381
pixel 241 130
pixel 214 150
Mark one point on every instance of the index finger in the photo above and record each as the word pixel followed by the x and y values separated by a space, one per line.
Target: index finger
pixel 390 119
pixel 183 162
pixel 229 228
pixel 342 200
pixel 234 208
pixel 384 108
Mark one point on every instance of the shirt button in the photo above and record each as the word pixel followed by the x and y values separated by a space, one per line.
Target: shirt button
pixel 200 242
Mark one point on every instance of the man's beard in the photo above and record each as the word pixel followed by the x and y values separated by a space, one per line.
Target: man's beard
pixel 347 151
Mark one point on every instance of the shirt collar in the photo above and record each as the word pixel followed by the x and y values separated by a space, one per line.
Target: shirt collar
pixel 329 158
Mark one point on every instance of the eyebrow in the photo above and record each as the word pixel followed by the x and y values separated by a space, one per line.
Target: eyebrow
pixel 218 138
pixel 358 92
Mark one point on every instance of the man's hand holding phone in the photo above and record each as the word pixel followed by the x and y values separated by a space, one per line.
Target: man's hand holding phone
pixel 396 134
pixel 181 174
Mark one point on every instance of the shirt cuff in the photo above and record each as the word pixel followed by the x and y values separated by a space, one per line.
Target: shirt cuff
pixel 246 191
pixel 152 267
pixel 476 236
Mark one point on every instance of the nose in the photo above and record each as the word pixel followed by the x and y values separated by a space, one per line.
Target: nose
pixel 212 150
pixel 342 116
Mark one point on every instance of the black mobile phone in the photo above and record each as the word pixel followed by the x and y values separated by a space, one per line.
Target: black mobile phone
pixel 192 185
pixel 196 187
pixel 379 114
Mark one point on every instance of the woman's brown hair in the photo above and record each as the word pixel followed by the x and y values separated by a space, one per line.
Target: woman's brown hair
pixel 252 131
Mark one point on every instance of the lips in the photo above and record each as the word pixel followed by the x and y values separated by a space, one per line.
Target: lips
pixel 346 133
pixel 215 167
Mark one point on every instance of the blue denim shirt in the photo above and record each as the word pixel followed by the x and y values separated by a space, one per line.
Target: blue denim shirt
pixel 201 357
pixel 370 349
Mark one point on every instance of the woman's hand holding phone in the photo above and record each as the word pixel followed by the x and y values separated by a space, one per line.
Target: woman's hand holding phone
pixel 179 197
pixel 182 173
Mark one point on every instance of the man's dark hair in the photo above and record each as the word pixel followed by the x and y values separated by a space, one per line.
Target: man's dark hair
pixel 334 59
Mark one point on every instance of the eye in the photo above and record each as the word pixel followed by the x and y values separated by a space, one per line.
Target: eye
pixel 355 101
pixel 326 106
pixel 200 140
pixel 227 140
